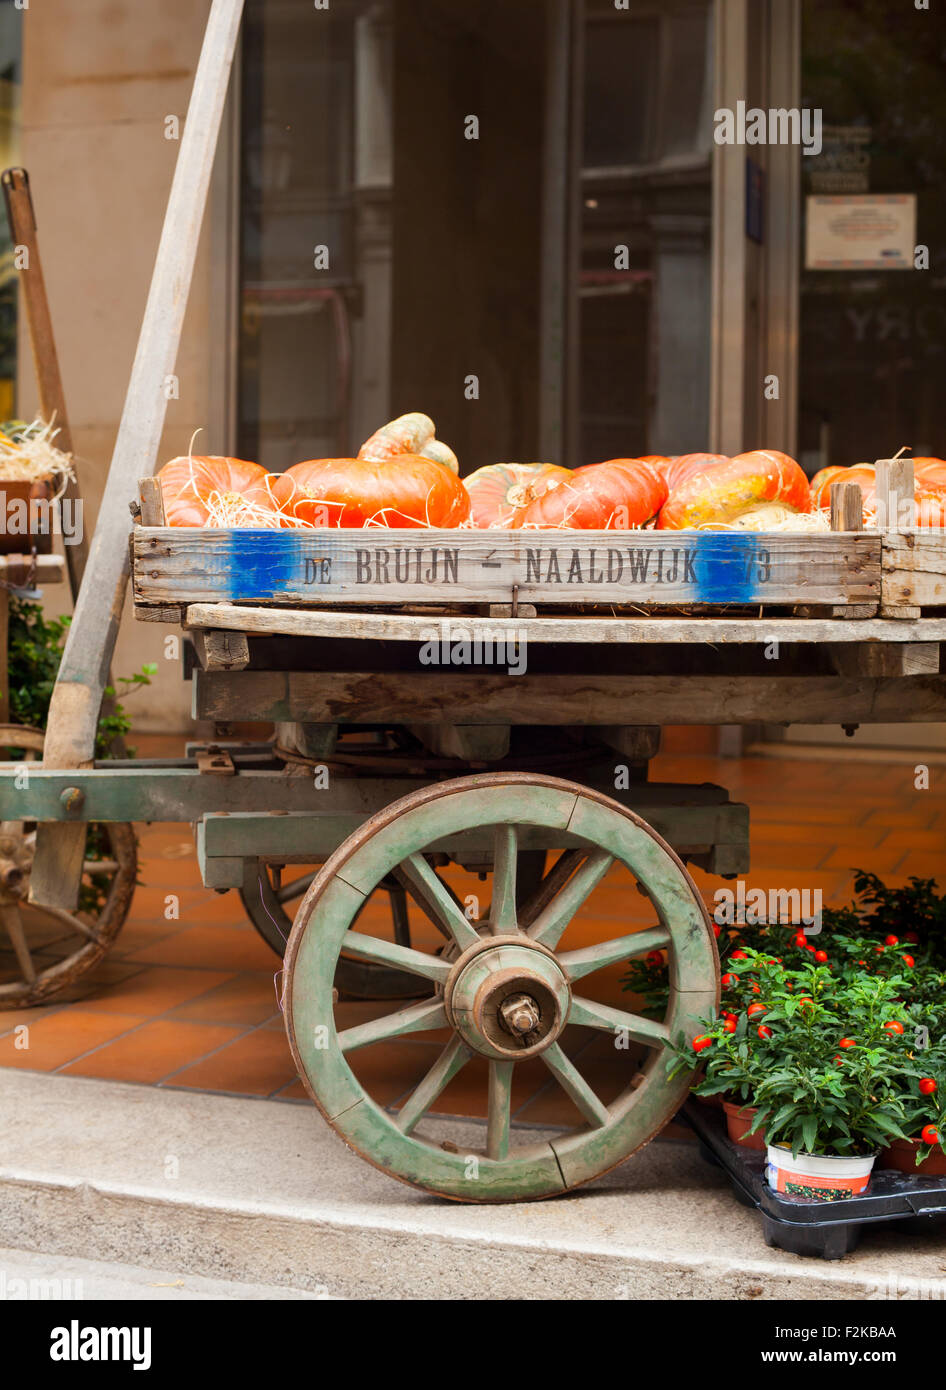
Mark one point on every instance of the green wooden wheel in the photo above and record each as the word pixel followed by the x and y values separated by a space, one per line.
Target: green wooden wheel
pixel 503 989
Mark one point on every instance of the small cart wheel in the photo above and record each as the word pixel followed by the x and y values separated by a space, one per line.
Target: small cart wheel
pixel 49 949
pixel 504 991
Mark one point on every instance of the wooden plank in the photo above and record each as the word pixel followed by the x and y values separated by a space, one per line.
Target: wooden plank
pixel 77 697
pixel 402 627
pixel 181 564
pixel 914 568
pixel 152 502
pixel 886 659
pixel 221 650
pixel 847 514
pixel 847 507
pixel 896 512
pixel 425 697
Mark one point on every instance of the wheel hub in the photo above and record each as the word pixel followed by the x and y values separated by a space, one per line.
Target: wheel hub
pixel 507 998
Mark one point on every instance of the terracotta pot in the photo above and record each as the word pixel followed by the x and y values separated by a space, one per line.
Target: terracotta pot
pixel 15 498
pixel 902 1155
pixel 738 1120
pixel 825 1177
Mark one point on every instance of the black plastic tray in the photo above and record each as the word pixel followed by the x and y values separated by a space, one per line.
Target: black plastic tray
pixel 803 1225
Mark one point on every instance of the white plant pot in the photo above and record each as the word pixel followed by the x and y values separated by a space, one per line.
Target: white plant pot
pixel 813 1175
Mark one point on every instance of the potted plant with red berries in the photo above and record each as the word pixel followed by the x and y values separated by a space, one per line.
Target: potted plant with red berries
pixel 821 1061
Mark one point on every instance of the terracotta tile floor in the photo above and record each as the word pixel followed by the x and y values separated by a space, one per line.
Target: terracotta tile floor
pixel 192 1001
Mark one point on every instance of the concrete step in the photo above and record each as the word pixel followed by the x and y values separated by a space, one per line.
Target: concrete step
pixel 27 1275
pixel 264 1193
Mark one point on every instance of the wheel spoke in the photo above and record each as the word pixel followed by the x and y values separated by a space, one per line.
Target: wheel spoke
pixel 454 1056
pixel 437 900
pixel 288 892
pixel 417 1018
pixel 556 878
pixel 68 919
pixel 498 1107
pixel 590 1014
pixel 579 963
pixel 99 866
pixel 574 1085
pixel 551 922
pixel 13 922
pixel 382 952
pixel 502 910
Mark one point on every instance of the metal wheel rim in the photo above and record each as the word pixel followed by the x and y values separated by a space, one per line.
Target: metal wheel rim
pixel 545 1168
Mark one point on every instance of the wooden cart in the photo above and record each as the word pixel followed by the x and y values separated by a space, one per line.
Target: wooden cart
pixel 487 700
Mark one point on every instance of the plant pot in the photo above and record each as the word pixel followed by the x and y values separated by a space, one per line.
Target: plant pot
pixel 901 1155
pixel 16 499
pixel 826 1178
pixel 738 1120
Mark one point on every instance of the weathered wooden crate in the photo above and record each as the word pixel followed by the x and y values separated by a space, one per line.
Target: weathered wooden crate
pixel 646 569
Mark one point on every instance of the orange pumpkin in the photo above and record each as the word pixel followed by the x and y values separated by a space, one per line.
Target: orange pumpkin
pixel 499 490
pixel 725 493
pixel 209 490
pixel 685 466
pixel 929 489
pixel 406 491
pixel 618 495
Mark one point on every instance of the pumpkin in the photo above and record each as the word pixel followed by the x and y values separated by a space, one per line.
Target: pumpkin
pixel 618 495
pixel 406 491
pixel 409 434
pixel 820 486
pixel 498 490
pixel 737 491
pixel 929 489
pixel 685 466
pixel 209 490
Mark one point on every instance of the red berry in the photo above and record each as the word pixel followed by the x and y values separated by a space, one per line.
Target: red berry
pixel 847 1042
pixel 806 999
pixel 812 948
pixel 927 1086
pixel 730 1025
pixel 821 956
pixel 909 962
pixel 893 1026
pixel 754 1009
pixel 912 937
pixel 729 980
pixel 929 1134
pixel 756 989
pixel 891 941
pixel 702 1042
pixel 739 955
pixel 716 930
pixel 763 1031
pixel 655 957
pixel 878 950
pixel 839 1059
pixel 801 940
pixel 772 962
pixel 862 962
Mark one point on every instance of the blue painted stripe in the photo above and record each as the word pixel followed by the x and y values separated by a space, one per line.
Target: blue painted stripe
pixel 262 563
pixel 728 567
